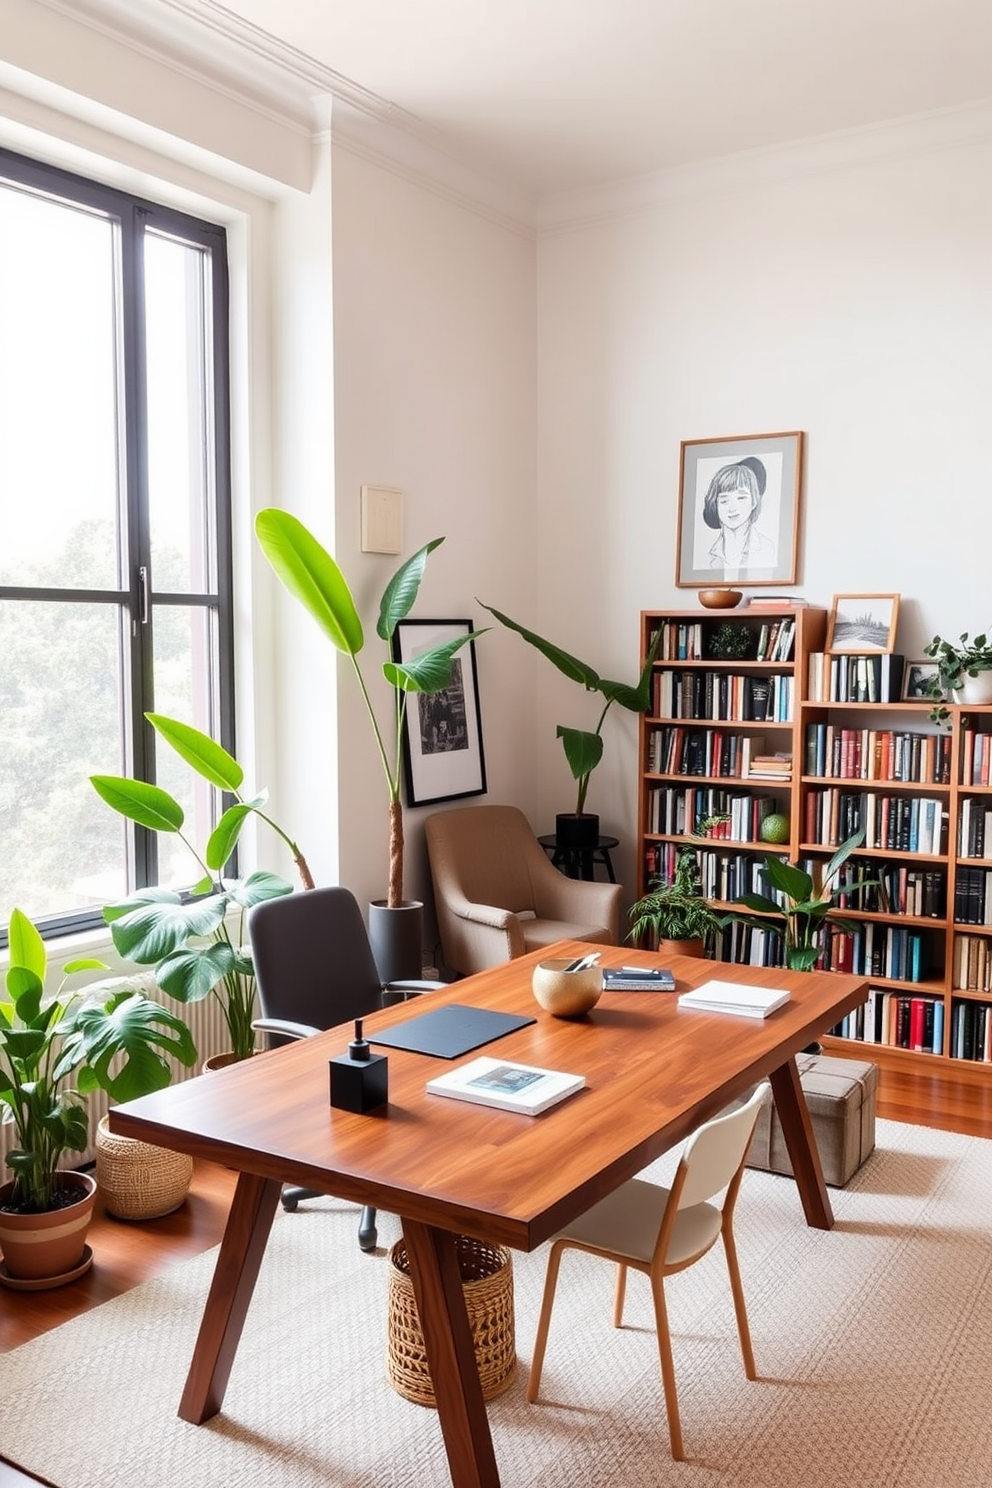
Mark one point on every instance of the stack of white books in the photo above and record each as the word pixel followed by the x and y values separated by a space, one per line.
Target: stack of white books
pixel 510 1086
pixel 735 997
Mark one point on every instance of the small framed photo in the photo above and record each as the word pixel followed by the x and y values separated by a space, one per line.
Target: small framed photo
pixel 916 681
pixel 863 622
pixel 739 503
pixel 442 732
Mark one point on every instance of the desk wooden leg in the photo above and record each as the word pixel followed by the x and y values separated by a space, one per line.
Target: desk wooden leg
pixel 437 1286
pixel 248 1224
pixel 793 1113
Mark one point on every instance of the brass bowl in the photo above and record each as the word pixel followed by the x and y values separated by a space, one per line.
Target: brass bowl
pixel 720 599
pixel 566 994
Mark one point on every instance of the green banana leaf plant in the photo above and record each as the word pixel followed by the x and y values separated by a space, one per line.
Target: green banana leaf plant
pixel 189 940
pixel 108 1035
pixel 584 747
pixel 801 913
pixel 313 577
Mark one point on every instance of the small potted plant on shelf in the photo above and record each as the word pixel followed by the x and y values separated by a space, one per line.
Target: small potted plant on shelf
pixel 310 574
pixel 674 917
pixel 187 939
pixel 798 911
pixel 584 747
pixel 964 670
pixel 54 1050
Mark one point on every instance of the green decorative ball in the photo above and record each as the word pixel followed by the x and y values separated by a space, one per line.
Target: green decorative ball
pixel 775 828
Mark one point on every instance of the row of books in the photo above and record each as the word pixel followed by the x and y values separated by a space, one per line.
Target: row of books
pixel 680 640
pixel 877 754
pixel 877 950
pixel 974 829
pixel 890 888
pixel 725 877
pixel 723 695
pixel 973 963
pixel 891 823
pixel 971 1031
pixel 976 756
pixel 676 810
pixel 775 640
pixel 893 1018
pixel 973 896
pixel 677 750
pixel 873 678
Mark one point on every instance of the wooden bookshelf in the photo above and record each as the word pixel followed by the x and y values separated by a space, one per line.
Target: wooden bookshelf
pixel 921 928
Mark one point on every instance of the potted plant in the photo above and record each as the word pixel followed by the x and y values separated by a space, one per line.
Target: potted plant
pixel 584 747
pixel 53 1051
pixel 310 574
pixel 964 670
pixel 188 940
pixel 674 917
pixel 798 911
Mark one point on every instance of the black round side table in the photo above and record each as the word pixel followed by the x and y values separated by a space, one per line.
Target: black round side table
pixel 581 862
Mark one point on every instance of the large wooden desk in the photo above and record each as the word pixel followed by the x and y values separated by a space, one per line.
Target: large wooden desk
pixel 654 1072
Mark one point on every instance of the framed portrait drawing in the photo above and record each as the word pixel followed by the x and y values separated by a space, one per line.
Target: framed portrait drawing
pixel 916 681
pixel 739 501
pixel 442 731
pixel 863 622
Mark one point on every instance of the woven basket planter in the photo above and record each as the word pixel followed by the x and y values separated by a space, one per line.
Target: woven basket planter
pixel 138 1180
pixel 487 1281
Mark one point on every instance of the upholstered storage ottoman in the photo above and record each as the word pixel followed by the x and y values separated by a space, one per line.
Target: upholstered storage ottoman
pixel 841 1098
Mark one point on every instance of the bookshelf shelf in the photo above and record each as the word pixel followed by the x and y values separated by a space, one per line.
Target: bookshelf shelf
pixel 940 800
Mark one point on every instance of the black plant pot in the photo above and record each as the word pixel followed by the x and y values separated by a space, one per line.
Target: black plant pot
pixel 574 833
pixel 397 939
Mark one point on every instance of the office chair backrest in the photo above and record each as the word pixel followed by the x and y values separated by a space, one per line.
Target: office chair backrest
pixel 313 961
pixel 714 1154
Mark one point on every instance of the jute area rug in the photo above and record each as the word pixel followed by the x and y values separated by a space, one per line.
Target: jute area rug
pixel 873 1344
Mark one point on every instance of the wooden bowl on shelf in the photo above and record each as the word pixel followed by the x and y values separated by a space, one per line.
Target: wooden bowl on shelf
pixel 720 599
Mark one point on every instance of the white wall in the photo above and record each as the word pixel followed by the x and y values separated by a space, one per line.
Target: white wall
pixel 854 303
pixel 435 393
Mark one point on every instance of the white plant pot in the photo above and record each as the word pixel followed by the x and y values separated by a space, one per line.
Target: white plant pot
pixel 975 689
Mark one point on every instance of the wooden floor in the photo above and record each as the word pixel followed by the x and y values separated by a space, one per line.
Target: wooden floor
pixel 127 1254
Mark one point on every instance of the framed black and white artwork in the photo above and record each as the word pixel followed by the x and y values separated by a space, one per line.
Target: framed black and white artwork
pixel 442 734
pixel 863 622
pixel 739 500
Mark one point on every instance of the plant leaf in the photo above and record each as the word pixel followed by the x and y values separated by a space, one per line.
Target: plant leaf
pixel 224 837
pixel 154 928
pixel 431 670
pixel 570 666
pixel 400 594
pixel 786 876
pixel 583 750
pixel 203 754
pixel 256 888
pixel 27 949
pixel 310 574
pixel 148 805
pixel 191 974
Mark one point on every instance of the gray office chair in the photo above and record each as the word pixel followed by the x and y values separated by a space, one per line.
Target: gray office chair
pixel 314 968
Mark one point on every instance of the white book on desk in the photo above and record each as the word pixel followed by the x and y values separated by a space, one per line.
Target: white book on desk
pixel 735 997
pixel 503 1083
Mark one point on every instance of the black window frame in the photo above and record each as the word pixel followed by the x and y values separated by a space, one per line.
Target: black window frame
pixel 133 215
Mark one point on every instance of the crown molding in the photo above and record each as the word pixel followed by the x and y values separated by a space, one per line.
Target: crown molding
pixel 753 169
pixel 207 43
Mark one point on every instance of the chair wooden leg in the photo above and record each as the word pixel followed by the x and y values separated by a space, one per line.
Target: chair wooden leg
pixel 667 1366
pixel 619 1295
pixel 544 1321
pixel 740 1309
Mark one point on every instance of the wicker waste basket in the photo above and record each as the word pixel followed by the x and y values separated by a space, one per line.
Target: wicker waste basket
pixel 137 1180
pixel 487 1281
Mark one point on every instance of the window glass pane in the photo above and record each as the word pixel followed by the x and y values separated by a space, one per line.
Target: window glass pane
pixel 185 647
pixel 62 848
pixel 180 438
pixel 58 390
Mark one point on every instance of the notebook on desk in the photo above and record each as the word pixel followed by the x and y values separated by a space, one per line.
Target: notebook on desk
pixel 450 1031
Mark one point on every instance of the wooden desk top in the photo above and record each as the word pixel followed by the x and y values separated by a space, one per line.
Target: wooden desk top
pixel 654 1071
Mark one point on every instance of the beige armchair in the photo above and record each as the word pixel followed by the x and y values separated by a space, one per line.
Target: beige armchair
pixel 497 895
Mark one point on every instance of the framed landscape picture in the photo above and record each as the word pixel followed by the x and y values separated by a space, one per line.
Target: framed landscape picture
pixel 739 500
pixel 863 622
pixel 442 732
pixel 917 679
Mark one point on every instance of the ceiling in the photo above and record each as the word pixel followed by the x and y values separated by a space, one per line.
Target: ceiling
pixel 551 96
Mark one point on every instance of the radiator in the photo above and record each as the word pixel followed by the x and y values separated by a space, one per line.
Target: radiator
pixel 206 1023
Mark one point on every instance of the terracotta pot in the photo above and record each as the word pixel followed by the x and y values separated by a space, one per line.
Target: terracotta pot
pixel 681 948
pixel 47 1249
pixel 139 1180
